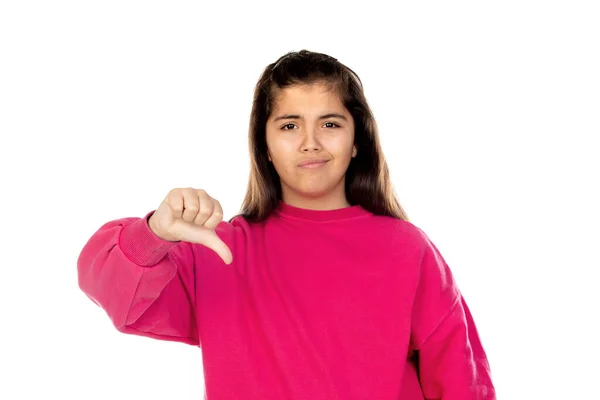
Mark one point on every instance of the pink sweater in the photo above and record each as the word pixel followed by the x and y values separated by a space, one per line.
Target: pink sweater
pixel 337 304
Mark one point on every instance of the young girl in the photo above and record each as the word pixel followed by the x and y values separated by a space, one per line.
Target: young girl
pixel 320 288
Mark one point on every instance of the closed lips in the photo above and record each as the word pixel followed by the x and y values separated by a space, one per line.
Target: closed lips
pixel 313 161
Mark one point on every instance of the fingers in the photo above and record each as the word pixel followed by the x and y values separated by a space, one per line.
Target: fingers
pixel 216 215
pixel 206 208
pixel 191 204
pixel 197 206
pixel 194 217
pixel 175 202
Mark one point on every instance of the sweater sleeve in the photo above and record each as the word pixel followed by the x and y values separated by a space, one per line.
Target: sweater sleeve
pixel 146 285
pixel 452 363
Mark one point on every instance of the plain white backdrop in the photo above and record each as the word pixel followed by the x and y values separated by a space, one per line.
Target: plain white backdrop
pixel 489 116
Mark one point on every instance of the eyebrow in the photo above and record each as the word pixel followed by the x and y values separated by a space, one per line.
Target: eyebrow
pixel 296 116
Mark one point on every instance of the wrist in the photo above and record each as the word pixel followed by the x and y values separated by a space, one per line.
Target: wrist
pixel 157 231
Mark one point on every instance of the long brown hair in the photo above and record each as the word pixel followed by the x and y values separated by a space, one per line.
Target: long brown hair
pixel 367 180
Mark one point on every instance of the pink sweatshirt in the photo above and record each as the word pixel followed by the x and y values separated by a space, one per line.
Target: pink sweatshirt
pixel 338 304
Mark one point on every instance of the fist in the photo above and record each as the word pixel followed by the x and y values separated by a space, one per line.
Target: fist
pixel 190 215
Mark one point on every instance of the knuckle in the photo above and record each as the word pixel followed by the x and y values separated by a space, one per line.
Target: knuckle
pixel 174 205
pixel 218 214
pixel 192 208
pixel 204 212
pixel 188 192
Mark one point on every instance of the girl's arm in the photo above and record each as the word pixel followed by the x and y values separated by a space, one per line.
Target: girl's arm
pixel 146 285
pixel 452 363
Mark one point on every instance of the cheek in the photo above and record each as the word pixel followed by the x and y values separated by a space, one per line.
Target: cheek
pixel 280 152
pixel 343 149
pixel 280 161
pixel 280 167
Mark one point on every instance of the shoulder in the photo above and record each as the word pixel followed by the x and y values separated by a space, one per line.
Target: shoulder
pixel 403 242
pixel 401 232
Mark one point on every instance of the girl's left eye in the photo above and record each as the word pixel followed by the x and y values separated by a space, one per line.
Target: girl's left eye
pixel 332 123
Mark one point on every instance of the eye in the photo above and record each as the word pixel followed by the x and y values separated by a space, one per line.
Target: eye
pixel 286 127
pixel 332 123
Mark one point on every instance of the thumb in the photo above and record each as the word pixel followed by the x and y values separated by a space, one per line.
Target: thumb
pixel 214 242
pixel 206 237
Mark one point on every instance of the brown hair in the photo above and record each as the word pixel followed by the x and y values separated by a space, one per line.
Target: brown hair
pixel 367 180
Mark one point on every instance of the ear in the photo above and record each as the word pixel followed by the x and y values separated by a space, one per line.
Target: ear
pixel 354 151
pixel 269 155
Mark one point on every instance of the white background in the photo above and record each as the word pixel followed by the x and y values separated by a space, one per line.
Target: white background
pixel 489 116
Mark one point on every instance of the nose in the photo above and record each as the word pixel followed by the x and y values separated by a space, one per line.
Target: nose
pixel 310 141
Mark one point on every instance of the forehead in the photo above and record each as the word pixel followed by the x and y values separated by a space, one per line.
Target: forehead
pixel 306 97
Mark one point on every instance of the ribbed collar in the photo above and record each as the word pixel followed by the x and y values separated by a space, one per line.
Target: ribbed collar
pixel 286 210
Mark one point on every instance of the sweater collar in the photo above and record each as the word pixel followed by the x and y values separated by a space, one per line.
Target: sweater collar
pixel 286 210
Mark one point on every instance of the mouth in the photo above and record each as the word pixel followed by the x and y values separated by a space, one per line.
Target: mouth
pixel 312 163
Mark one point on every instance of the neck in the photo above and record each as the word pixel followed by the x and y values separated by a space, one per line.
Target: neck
pixel 316 203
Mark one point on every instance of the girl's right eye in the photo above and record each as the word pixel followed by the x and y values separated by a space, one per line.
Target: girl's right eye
pixel 285 127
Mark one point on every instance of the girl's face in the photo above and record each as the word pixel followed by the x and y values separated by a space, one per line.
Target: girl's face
pixel 309 122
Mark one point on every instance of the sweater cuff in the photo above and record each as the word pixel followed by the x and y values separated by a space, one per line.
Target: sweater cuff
pixel 141 245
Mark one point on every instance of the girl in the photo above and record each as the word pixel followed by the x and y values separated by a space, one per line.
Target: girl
pixel 320 288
